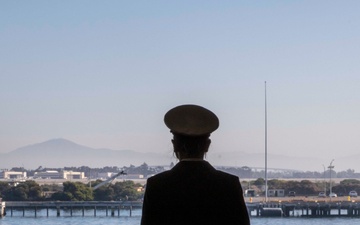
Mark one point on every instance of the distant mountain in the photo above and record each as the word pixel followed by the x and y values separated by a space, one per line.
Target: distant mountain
pixel 62 152
pixel 58 153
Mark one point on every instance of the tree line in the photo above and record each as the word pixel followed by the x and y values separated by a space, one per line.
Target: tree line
pixel 71 191
pixel 242 172
pixel 130 191
pixel 304 187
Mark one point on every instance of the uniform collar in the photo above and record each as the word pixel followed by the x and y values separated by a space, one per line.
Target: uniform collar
pixel 192 160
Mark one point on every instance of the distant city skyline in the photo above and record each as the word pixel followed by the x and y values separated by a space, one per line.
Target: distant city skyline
pixel 104 74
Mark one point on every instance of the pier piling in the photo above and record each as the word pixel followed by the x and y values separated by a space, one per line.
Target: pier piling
pixel 2 208
pixel 257 209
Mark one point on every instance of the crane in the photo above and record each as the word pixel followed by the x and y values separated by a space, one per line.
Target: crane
pixel 109 180
pixel 39 168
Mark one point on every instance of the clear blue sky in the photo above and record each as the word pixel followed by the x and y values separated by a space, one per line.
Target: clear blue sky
pixel 103 73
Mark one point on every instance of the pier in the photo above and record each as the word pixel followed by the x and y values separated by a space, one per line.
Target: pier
pixel 112 208
pixel 117 208
pixel 304 209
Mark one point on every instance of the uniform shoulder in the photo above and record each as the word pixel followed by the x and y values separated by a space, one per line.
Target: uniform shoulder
pixel 159 176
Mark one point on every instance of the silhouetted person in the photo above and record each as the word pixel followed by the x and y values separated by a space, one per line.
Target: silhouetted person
pixel 193 192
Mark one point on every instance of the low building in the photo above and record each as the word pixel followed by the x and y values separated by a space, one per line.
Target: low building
pixel 53 174
pixel 72 175
pixel 49 174
pixel 276 192
pixel 105 175
pixel 133 176
pixel 250 193
pixel 12 175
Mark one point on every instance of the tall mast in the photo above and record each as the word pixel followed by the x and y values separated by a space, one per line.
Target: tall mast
pixel 266 180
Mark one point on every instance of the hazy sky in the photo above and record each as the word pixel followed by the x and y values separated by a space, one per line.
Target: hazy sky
pixel 104 73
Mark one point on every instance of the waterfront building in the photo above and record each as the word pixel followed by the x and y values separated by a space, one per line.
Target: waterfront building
pixel 134 176
pixel 276 193
pixel 64 174
pixel 49 174
pixel 72 175
pixel 12 175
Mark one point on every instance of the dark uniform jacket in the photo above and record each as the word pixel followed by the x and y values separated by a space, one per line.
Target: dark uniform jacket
pixel 194 192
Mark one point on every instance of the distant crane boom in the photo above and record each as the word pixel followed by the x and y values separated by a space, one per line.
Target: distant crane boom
pixel 39 168
pixel 109 180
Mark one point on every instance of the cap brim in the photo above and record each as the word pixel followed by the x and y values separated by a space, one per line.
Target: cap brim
pixel 192 120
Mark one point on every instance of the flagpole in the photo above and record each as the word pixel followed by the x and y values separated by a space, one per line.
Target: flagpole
pixel 266 180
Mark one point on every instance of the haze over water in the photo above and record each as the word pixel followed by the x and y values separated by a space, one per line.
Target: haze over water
pixel 136 221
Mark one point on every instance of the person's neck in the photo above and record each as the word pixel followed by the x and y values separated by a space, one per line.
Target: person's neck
pixel 185 157
pixel 192 159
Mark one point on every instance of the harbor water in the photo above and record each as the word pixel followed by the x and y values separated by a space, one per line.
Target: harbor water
pixel 134 219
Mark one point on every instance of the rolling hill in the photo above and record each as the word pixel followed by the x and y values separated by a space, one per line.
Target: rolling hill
pixel 59 153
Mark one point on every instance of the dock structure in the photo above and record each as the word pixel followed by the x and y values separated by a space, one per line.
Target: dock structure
pixel 2 208
pixel 304 209
pixel 112 208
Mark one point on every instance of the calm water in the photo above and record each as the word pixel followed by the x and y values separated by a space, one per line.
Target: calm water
pixel 125 219
pixel 136 221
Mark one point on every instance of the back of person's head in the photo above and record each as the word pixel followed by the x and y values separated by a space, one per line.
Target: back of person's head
pixel 191 146
pixel 191 126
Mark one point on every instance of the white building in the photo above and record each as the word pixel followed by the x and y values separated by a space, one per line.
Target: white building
pixel 49 174
pixel 12 175
pixel 53 174
pixel 72 175
pixel 276 193
pixel 105 175
pixel 134 176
